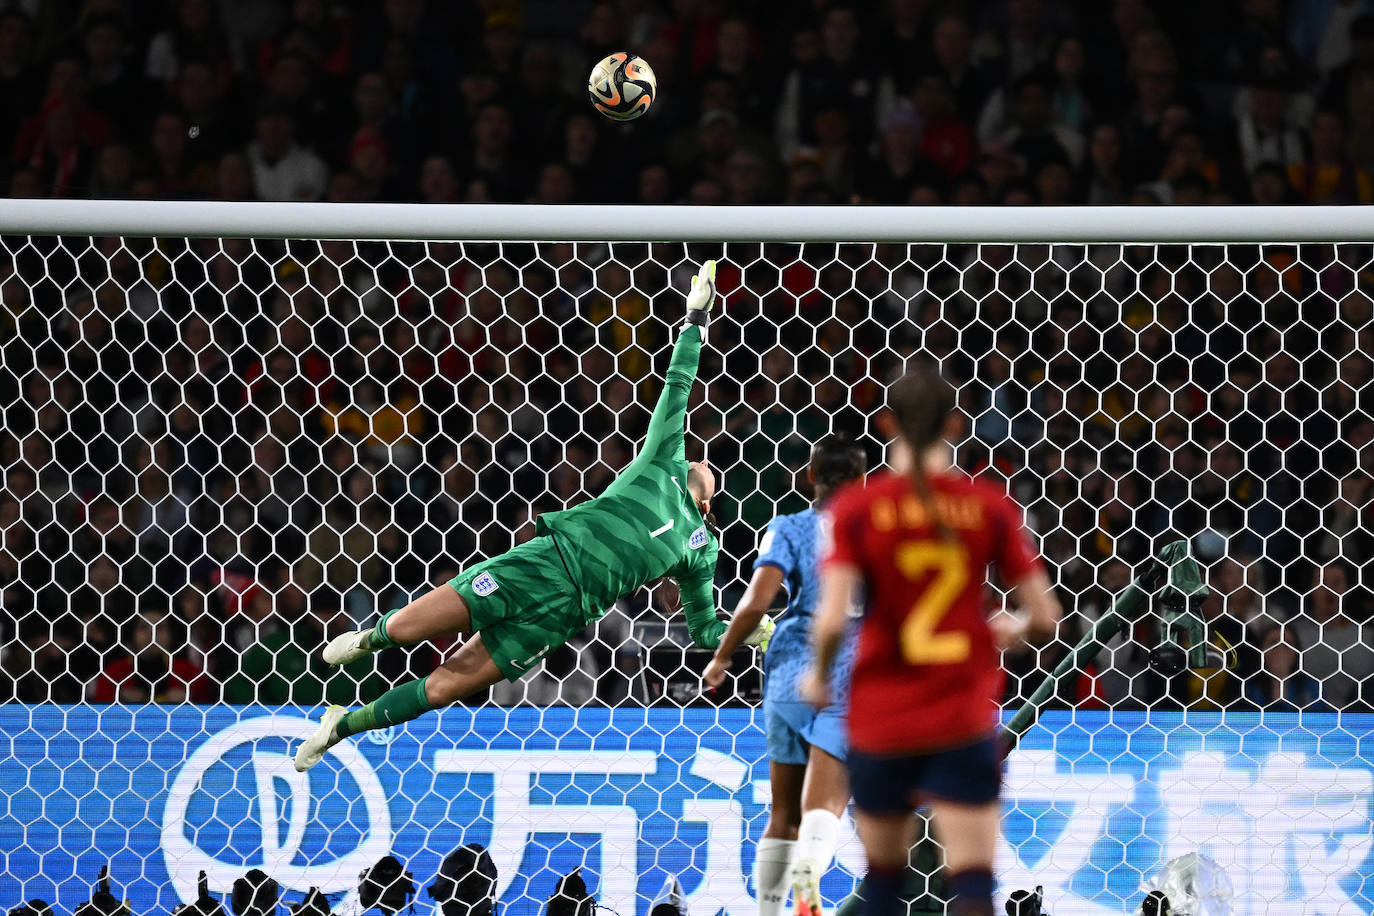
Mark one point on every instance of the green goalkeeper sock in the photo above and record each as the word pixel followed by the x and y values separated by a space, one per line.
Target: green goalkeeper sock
pixel 378 639
pixel 397 705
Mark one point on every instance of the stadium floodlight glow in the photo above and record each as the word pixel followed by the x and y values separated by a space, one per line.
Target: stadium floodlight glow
pixel 228 429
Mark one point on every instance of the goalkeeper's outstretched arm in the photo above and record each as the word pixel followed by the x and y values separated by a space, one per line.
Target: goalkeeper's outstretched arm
pixel 699 604
pixel 667 427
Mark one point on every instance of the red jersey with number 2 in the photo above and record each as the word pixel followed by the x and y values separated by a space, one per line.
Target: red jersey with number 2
pixel 927 675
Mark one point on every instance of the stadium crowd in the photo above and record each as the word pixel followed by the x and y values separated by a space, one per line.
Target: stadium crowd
pixel 217 451
pixel 889 102
pixel 205 483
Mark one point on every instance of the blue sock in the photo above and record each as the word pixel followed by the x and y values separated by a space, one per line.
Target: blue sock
pixel 880 890
pixel 972 892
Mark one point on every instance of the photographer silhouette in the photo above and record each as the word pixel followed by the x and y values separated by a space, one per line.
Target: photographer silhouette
pixel 466 883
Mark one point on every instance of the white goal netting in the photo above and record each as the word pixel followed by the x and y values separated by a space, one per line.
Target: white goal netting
pixel 216 451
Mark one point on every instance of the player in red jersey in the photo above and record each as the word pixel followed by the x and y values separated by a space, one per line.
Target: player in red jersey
pixel 919 544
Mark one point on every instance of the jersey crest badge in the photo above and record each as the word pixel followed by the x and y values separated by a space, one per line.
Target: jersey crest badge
pixel 698 539
pixel 484 585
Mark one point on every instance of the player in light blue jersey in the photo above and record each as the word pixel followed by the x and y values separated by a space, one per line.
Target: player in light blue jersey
pixel 806 748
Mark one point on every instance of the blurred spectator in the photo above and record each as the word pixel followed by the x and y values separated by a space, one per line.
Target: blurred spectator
pixel 655 185
pixel 1019 35
pixel 945 139
pixel 952 44
pixel 417 26
pixel 438 182
pixel 293 85
pixel 369 158
pixel 286 668
pixel 169 167
pixel 153 670
pixel 57 141
pixel 21 82
pixel 281 169
pixel 1349 89
pixel 841 78
pixel 389 427
pixel 491 156
pixel 1328 175
pixel 113 174
pixel 1034 131
pixel 737 63
pixel 195 34
pixel 116 88
pixel 1239 624
pixel 1265 130
pixel 323 32
pixel 1269 186
pixel 1335 656
pixel 234 178
pixel 214 125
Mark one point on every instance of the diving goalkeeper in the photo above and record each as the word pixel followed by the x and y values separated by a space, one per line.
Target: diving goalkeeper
pixel 654 520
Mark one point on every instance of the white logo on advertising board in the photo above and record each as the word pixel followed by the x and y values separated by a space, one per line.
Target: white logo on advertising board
pixel 271 772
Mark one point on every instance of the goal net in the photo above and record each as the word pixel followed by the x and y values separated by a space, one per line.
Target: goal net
pixel 217 450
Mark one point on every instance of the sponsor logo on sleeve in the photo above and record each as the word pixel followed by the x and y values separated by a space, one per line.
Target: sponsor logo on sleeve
pixel 698 539
pixel 484 585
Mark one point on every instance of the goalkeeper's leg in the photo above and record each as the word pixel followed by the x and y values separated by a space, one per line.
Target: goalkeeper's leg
pixel 440 612
pixel 520 582
pixel 467 671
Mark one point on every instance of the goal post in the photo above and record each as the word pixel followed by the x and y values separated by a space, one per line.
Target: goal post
pixel 619 223
pixel 228 429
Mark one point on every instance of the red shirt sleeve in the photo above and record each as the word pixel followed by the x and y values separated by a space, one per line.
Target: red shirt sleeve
pixel 105 687
pixel 840 545
pixel 193 680
pixel 1016 558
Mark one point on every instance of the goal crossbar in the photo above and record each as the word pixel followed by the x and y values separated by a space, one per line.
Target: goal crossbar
pixel 531 222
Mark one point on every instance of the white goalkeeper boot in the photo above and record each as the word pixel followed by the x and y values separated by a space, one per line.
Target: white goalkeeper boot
pixel 312 749
pixel 346 647
pixel 806 888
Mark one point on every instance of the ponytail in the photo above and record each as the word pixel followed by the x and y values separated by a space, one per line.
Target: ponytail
pixel 927 497
pixel 920 401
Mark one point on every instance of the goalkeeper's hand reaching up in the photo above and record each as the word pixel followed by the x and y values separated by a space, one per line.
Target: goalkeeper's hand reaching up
pixel 702 295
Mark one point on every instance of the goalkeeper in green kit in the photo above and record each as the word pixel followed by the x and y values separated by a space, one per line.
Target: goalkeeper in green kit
pixel 652 521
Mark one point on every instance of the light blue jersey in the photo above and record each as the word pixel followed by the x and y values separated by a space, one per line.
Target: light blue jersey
pixel 789 543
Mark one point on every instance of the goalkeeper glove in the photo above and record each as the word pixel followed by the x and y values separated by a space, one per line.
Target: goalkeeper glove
pixel 702 295
pixel 762 635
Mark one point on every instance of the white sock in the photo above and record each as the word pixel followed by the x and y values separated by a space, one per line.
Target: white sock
pixel 773 874
pixel 818 836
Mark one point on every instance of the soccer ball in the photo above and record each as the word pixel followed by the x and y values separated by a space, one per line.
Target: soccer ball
pixel 622 86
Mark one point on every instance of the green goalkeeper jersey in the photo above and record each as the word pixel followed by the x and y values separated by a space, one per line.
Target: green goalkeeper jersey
pixel 646 525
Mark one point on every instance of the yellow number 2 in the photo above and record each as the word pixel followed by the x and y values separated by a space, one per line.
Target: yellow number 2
pixel 921 645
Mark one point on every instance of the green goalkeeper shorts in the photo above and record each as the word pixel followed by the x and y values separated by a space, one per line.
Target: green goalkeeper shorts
pixel 523 603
